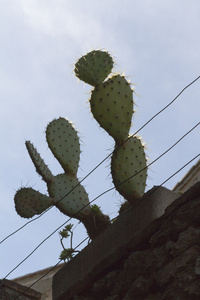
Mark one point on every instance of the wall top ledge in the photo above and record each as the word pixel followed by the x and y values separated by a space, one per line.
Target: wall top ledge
pixel 125 234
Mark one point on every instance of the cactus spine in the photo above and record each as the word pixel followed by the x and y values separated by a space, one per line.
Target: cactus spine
pixel 111 104
pixel 65 191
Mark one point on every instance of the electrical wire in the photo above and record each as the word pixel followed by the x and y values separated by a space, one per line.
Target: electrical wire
pixel 142 199
pixel 14 232
pixel 23 226
pixel 103 193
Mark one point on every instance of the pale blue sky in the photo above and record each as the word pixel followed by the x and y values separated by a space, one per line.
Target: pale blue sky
pixel 157 45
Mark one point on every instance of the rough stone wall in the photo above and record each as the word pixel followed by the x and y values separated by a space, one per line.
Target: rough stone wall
pixel 166 266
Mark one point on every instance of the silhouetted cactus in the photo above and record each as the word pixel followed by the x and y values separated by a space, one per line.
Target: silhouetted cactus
pixel 111 104
pixel 65 190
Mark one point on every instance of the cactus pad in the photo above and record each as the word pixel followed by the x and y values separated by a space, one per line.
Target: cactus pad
pixel 127 160
pixel 64 143
pixel 112 106
pixel 29 202
pixel 94 67
pixel 59 188
pixel 41 168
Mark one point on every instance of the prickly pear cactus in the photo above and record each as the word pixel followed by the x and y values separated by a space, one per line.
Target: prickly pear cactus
pixel 29 202
pixel 41 168
pixel 128 168
pixel 94 67
pixel 64 143
pixel 111 104
pixel 62 185
pixel 65 191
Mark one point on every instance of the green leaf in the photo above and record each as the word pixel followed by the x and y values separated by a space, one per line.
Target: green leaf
pixel 67 254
